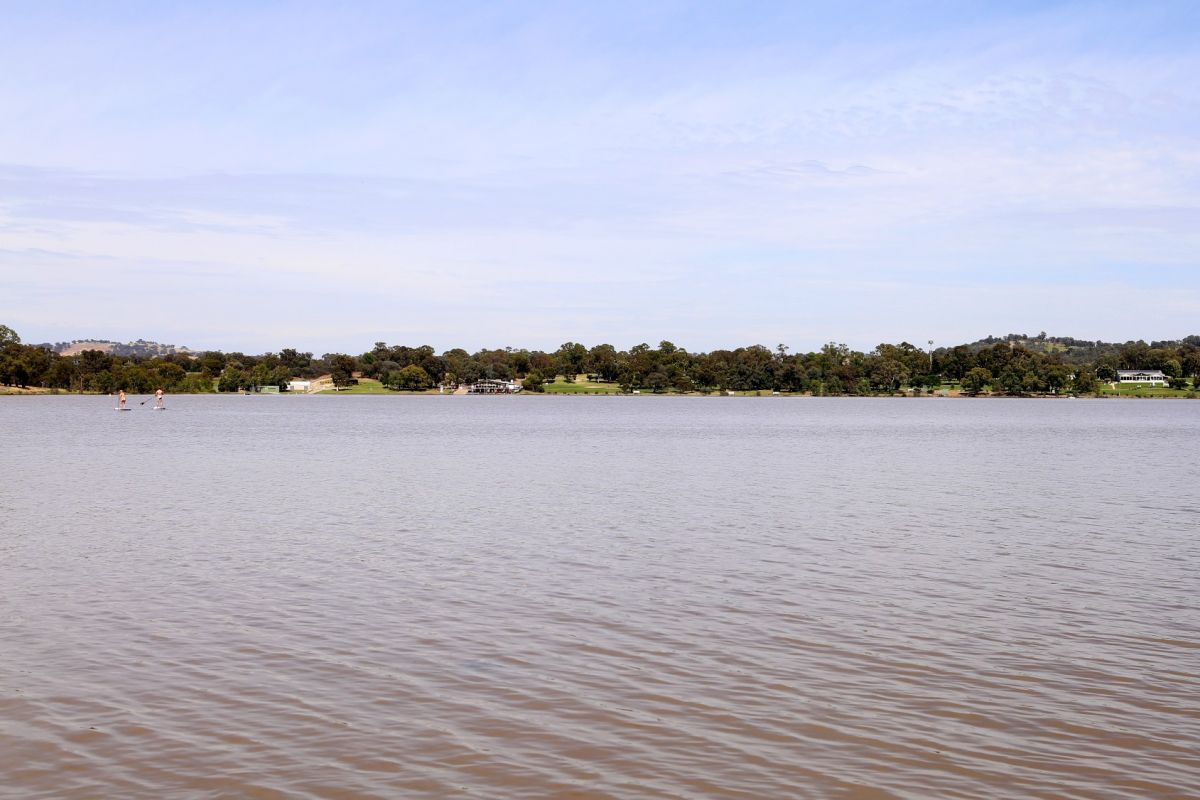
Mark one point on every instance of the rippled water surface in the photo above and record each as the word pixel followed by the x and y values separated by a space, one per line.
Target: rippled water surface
pixel 509 597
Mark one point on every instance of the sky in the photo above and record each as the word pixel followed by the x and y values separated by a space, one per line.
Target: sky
pixel 256 175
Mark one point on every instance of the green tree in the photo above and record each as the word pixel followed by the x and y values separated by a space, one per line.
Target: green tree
pixel 341 369
pixel 294 360
pixel 658 381
pixel 63 374
pixel 101 382
pixel 260 376
pixel 975 379
pixel 956 362
pixel 212 362
pixel 14 370
pixel 1085 382
pixel 605 362
pixel 790 375
pixel 280 376
pixel 1012 381
pixel 571 359
pixel 1057 377
pixel 169 376
pixel 888 374
pixel 1135 355
pixel 196 383
pixel 413 378
pixel 533 382
pixel 93 361
pixel 1189 360
pixel 133 378
pixel 232 379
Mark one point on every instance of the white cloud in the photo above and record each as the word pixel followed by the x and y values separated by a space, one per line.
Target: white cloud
pixel 525 176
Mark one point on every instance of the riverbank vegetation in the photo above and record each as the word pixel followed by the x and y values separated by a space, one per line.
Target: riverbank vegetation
pixel 1014 365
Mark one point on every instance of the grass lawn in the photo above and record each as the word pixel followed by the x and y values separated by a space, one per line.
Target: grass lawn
pixel 585 386
pixel 364 386
pixel 1138 390
pixel 371 386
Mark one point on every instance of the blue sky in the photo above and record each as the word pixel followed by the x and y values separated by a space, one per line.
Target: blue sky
pixel 254 176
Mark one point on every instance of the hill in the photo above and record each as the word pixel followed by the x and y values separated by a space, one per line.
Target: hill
pixel 141 348
pixel 1076 351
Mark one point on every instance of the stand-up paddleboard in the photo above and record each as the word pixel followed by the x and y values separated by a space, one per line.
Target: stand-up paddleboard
pixel 159 408
pixel 124 409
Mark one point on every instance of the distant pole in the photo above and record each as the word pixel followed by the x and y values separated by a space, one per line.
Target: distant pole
pixel 931 356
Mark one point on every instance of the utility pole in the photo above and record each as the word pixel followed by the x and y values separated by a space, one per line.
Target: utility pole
pixel 931 356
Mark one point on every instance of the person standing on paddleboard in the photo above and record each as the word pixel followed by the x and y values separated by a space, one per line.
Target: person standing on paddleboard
pixel 158 399
pixel 121 399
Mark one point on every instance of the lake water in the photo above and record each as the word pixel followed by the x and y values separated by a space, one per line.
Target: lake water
pixel 533 597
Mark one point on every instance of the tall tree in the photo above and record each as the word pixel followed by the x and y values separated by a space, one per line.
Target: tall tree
pixel 975 379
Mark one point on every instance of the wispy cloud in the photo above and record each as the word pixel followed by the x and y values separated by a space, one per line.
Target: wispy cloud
pixel 523 172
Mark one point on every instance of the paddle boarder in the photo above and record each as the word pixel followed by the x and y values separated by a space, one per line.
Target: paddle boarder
pixel 121 400
pixel 158 399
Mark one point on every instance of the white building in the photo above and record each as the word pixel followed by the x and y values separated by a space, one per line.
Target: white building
pixel 299 386
pixel 1154 377
pixel 491 386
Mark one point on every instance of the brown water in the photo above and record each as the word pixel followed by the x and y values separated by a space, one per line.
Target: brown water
pixel 599 597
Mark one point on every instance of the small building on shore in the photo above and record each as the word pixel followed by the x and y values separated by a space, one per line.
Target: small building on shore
pixel 493 386
pixel 1154 377
pixel 299 386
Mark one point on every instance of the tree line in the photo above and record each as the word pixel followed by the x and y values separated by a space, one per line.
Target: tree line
pixel 1015 365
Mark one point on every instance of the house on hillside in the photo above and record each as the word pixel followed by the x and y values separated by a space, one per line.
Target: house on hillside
pixel 1154 377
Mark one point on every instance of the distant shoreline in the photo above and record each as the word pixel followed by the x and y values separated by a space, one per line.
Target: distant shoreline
pixel 1017 366
pixel 12 391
